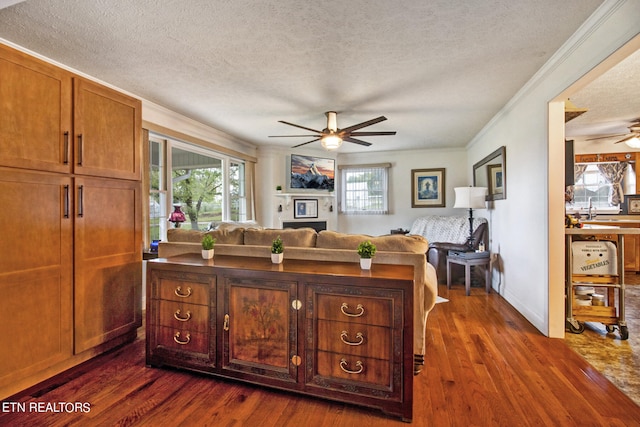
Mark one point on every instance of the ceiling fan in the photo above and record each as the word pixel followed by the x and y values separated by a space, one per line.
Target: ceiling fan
pixel 331 137
pixel 632 139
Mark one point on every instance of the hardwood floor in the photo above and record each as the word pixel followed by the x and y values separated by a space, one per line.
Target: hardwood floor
pixel 485 366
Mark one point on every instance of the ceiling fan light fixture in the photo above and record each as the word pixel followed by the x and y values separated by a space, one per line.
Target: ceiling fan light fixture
pixel 633 142
pixel 331 141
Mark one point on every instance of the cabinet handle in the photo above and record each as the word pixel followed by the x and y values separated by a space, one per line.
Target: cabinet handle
pixel 179 293
pixel 66 201
pixel 178 316
pixel 344 337
pixel 225 325
pixel 176 338
pixel 80 200
pixel 80 149
pixel 344 364
pixel 345 307
pixel 66 148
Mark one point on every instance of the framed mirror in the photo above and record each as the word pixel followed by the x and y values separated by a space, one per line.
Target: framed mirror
pixel 491 172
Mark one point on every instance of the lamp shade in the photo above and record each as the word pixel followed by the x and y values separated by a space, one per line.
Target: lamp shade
pixel 470 197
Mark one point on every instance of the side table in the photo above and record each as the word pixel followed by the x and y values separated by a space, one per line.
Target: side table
pixel 469 259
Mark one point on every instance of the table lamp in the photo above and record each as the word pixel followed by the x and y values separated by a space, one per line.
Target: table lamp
pixel 470 198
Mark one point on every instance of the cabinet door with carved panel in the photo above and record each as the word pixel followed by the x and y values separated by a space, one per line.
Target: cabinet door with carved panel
pixel 181 319
pixel 259 329
pixel 356 339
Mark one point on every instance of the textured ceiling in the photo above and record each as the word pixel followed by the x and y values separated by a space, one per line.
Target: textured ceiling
pixel 439 70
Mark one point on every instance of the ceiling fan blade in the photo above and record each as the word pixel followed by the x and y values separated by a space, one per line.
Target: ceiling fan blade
pixel 628 137
pixel 356 141
pixel 290 136
pixel 305 143
pixel 372 133
pixel 362 125
pixel 298 126
pixel 606 137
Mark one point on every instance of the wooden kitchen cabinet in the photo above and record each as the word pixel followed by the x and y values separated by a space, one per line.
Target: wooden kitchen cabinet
pixel 71 262
pixel 338 334
pixel 107 132
pixel 35 113
pixel 108 254
pixel 36 276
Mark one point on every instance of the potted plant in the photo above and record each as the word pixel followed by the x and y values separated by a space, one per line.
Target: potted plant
pixel 279 188
pixel 277 251
pixel 366 250
pixel 207 246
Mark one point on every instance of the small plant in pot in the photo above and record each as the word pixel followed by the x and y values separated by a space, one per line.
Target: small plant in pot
pixel 277 251
pixel 207 246
pixel 279 188
pixel 366 250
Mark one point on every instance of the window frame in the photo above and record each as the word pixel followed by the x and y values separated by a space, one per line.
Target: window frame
pixel 382 169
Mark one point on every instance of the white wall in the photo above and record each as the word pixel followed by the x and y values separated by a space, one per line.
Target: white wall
pixel 521 223
pixel 402 214
pixel 272 170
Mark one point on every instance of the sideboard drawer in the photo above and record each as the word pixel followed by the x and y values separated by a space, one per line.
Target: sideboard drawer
pixel 184 316
pixel 183 339
pixel 355 368
pixel 356 309
pixel 183 291
pixel 355 339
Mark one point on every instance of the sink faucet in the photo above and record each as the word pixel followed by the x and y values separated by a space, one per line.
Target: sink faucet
pixel 591 212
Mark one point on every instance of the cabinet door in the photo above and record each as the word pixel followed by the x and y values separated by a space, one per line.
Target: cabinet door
pixel 260 321
pixel 181 329
pixel 108 127
pixel 631 253
pixel 35 113
pixel 35 276
pixel 108 260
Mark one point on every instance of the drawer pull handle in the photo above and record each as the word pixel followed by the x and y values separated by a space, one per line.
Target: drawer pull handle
pixel 345 307
pixel 176 338
pixel 344 364
pixel 344 336
pixel 178 316
pixel 179 293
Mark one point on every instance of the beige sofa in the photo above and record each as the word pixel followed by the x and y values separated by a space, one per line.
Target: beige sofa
pixel 307 244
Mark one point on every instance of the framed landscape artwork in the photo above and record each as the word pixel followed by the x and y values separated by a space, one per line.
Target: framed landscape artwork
pixel 311 173
pixel 428 188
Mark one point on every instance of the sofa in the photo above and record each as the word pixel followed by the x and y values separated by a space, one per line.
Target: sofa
pixel 307 244
pixel 447 233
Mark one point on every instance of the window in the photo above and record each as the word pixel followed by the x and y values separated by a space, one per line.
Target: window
pixel 209 186
pixel 593 185
pixel 364 189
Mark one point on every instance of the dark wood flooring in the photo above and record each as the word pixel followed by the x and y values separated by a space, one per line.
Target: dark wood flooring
pixel 486 366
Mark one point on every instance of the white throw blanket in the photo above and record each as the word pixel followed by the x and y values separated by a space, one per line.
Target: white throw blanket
pixel 449 229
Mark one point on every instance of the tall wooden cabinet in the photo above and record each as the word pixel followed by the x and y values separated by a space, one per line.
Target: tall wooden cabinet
pixel 70 203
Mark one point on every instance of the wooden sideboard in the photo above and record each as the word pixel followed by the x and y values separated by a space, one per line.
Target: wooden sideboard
pixel 323 329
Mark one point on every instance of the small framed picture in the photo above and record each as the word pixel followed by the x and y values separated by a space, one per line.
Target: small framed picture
pixel 305 208
pixel 632 204
pixel 495 179
pixel 427 188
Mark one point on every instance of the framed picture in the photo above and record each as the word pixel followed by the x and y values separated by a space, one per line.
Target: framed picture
pixel 427 188
pixel 631 204
pixel 495 179
pixel 305 208
pixel 311 173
